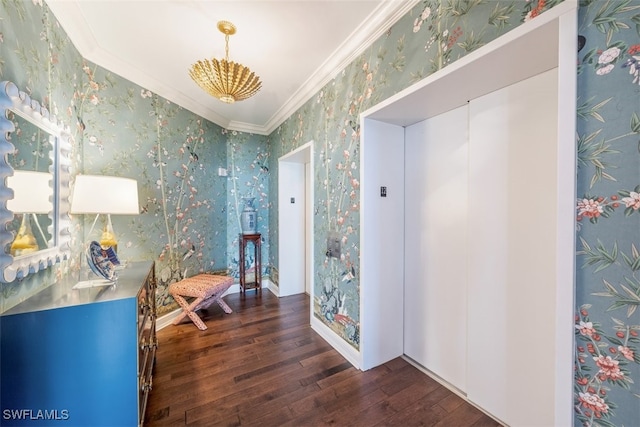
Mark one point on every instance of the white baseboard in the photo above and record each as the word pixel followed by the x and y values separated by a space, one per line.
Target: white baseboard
pixel 341 346
pixel 275 289
pixel 167 319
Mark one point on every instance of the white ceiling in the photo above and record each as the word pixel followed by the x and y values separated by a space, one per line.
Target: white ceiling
pixel 293 45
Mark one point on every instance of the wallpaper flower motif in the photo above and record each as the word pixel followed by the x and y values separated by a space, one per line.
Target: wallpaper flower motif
pixel 432 35
pixel 38 57
pixel 190 214
pixel 248 166
pixel 172 153
pixel 178 204
pixel 608 292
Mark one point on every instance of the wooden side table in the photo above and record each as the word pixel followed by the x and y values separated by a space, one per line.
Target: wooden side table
pixel 257 256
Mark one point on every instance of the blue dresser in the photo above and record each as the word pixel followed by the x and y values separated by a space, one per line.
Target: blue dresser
pixel 80 357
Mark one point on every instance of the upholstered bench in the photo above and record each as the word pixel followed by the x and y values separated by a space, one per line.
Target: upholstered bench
pixel 206 289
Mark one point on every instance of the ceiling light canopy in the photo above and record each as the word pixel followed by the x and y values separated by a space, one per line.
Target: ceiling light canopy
pixel 226 80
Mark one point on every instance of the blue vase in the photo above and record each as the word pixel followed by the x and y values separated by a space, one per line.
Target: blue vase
pixel 249 217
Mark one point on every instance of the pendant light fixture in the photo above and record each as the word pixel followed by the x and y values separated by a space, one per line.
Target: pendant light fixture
pixel 226 80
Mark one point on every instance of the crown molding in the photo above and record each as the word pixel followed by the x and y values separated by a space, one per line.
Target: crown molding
pixel 246 127
pixel 378 22
pixel 383 17
pixel 83 39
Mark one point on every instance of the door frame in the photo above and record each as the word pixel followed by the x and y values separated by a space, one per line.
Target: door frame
pixel 299 157
pixel 549 41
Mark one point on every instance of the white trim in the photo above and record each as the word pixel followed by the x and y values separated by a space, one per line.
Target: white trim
pixel 274 289
pixel 382 242
pixel 12 268
pixel 385 15
pixel 566 168
pixel 483 54
pixel 556 27
pixel 341 346
pixel 303 154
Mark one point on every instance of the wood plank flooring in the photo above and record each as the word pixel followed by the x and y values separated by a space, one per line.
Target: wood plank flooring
pixel 263 365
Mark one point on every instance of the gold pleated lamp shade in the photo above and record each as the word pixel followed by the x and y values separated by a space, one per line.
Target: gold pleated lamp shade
pixel 226 80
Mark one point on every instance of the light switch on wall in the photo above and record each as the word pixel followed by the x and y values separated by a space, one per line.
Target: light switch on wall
pixel 333 245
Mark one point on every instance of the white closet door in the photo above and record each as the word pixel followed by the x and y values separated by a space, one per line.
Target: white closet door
pixel 435 323
pixel 512 251
pixel 292 222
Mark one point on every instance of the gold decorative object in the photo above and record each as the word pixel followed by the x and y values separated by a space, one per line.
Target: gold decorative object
pixel 108 237
pixel 25 242
pixel 226 80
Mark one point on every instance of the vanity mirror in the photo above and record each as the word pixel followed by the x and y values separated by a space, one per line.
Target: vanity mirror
pixel 34 186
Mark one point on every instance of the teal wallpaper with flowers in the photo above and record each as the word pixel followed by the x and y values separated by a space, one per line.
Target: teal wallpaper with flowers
pixel 428 38
pixel 189 218
pixel 607 364
pixel 247 163
pixel 431 36
pixel 189 212
pixel 174 155
pixel 37 55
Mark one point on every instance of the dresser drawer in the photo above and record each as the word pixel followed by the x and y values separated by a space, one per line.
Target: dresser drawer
pixel 99 373
pixel 145 308
pixel 145 379
pixel 147 341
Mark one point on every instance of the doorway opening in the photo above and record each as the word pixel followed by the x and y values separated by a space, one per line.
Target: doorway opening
pixel 401 143
pixel 295 221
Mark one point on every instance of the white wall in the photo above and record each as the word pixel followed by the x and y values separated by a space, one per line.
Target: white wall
pixel 436 214
pixel 382 244
pixel 308 206
pixel 292 228
pixel 512 252
pixel 480 244
pixel 550 42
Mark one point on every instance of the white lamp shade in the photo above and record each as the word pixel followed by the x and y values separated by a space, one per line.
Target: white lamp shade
pixel 32 192
pixel 99 194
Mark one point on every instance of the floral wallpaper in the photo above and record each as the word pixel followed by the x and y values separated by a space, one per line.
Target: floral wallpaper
pixel 607 390
pixel 189 219
pixel 174 155
pixel 38 57
pixel 248 165
pixel 431 36
pixel 428 38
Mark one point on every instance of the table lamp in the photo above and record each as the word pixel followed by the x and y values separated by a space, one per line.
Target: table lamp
pixel 32 194
pixel 106 195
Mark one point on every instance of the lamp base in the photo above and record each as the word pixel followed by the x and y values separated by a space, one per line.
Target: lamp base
pixel 108 238
pixel 25 242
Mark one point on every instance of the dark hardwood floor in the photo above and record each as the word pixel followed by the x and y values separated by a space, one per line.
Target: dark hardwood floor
pixel 263 365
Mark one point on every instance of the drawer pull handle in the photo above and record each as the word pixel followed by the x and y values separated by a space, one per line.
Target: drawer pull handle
pixel 147 386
